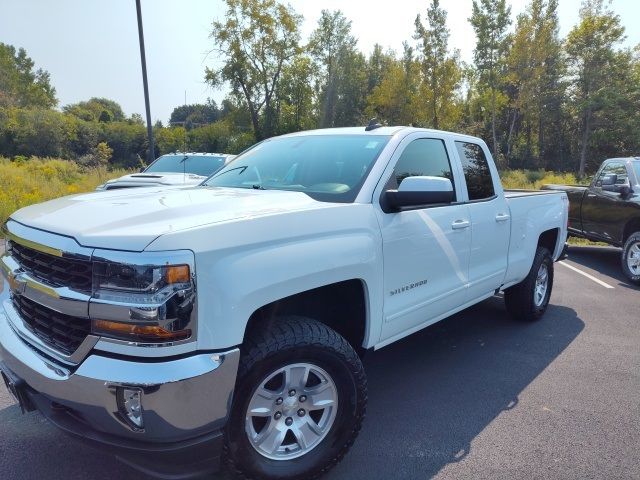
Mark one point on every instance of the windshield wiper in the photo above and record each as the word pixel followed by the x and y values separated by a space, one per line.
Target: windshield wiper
pixel 231 170
pixel 257 186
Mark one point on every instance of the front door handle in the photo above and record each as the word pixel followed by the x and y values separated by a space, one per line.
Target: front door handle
pixel 459 224
pixel 502 217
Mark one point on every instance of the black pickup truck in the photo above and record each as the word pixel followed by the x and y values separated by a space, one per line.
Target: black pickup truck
pixel 608 210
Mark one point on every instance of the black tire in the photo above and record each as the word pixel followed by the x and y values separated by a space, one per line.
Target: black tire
pixel 295 340
pixel 519 299
pixel 634 239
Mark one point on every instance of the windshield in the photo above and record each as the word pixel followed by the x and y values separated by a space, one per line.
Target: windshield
pixel 329 168
pixel 203 165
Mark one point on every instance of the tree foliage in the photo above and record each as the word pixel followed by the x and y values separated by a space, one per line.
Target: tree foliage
pixel 441 71
pixel 256 40
pixel 540 101
pixel 20 84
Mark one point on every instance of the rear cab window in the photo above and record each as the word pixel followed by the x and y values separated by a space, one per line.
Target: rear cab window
pixel 477 173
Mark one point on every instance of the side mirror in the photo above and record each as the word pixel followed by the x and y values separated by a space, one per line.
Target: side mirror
pixel 417 191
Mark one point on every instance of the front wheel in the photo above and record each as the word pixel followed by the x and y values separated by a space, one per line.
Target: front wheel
pixel 631 258
pixel 299 402
pixel 528 300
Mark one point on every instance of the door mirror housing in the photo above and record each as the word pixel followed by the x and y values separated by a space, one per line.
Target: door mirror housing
pixel 623 190
pixel 609 180
pixel 419 191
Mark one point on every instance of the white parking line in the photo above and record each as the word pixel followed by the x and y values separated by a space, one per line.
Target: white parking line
pixel 590 277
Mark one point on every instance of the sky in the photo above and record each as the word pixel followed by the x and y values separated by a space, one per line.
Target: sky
pixel 90 48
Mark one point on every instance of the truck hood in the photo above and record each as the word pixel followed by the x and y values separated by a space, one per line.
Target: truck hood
pixel 150 179
pixel 130 220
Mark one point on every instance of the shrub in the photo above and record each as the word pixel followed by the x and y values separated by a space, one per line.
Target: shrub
pixel 36 180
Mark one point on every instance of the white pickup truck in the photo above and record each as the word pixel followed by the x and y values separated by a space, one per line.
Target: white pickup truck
pixel 179 326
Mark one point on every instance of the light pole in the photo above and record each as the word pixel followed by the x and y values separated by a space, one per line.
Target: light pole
pixel 151 155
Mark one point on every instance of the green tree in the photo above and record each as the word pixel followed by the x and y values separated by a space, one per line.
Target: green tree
pixel 96 109
pixel 195 114
pixel 333 47
pixel 172 139
pixel 441 70
pixel 535 87
pixel 256 40
pixel 99 156
pixel 591 51
pixel 490 20
pixel 395 99
pixel 20 84
pixel 296 96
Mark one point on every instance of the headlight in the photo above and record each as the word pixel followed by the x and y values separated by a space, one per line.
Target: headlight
pixel 142 303
pixel 138 283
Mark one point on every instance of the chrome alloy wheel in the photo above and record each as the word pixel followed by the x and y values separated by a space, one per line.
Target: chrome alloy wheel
pixel 542 284
pixel 633 258
pixel 291 411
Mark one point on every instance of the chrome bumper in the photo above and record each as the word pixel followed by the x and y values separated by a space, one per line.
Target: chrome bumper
pixel 181 398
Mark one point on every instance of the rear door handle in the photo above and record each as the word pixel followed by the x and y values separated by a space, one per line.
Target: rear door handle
pixel 502 217
pixel 459 224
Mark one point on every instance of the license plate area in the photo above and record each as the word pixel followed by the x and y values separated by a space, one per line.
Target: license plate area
pixel 17 388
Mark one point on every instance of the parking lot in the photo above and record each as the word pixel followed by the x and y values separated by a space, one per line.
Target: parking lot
pixel 475 396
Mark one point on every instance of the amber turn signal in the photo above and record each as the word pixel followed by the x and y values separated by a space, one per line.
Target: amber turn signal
pixel 145 333
pixel 177 274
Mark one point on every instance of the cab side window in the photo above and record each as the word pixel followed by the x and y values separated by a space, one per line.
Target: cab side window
pixel 614 168
pixel 476 171
pixel 422 157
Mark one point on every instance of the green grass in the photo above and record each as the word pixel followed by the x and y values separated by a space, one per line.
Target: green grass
pixel 534 179
pixel 35 180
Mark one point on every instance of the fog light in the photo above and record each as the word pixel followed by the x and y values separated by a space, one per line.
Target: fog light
pixel 130 405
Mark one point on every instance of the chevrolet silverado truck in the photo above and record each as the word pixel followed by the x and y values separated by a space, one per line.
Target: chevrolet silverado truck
pixel 608 210
pixel 182 326
pixel 172 169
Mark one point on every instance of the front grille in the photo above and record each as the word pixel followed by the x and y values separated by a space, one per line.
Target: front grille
pixel 56 271
pixel 60 331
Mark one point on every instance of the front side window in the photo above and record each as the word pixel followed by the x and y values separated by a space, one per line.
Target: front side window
pixel 203 165
pixel 329 168
pixel 476 171
pixel 614 168
pixel 422 157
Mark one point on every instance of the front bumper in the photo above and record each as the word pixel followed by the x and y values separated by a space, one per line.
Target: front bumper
pixel 185 401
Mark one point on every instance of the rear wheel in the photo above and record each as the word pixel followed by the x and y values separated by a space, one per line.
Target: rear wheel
pixel 528 300
pixel 631 258
pixel 299 402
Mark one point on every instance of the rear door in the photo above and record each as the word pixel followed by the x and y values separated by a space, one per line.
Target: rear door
pixel 490 220
pixel 426 249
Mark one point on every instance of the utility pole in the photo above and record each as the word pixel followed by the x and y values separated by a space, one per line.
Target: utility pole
pixel 143 60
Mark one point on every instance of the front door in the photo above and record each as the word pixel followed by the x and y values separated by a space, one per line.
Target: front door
pixel 605 213
pixel 426 250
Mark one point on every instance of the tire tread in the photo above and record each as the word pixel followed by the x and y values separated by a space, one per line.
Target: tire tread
pixel 291 332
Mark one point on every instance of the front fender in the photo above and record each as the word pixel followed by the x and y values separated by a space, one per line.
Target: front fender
pixel 244 265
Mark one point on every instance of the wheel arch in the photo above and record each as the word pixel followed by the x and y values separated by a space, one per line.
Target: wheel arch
pixel 630 227
pixel 549 240
pixel 342 306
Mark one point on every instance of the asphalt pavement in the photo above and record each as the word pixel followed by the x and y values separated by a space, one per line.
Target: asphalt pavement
pixel 474 396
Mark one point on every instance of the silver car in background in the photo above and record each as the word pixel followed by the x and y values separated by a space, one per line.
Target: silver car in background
pixel 172 169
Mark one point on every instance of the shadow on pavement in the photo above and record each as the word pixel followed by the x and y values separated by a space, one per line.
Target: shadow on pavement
pixel 605 260
pixel 431 394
